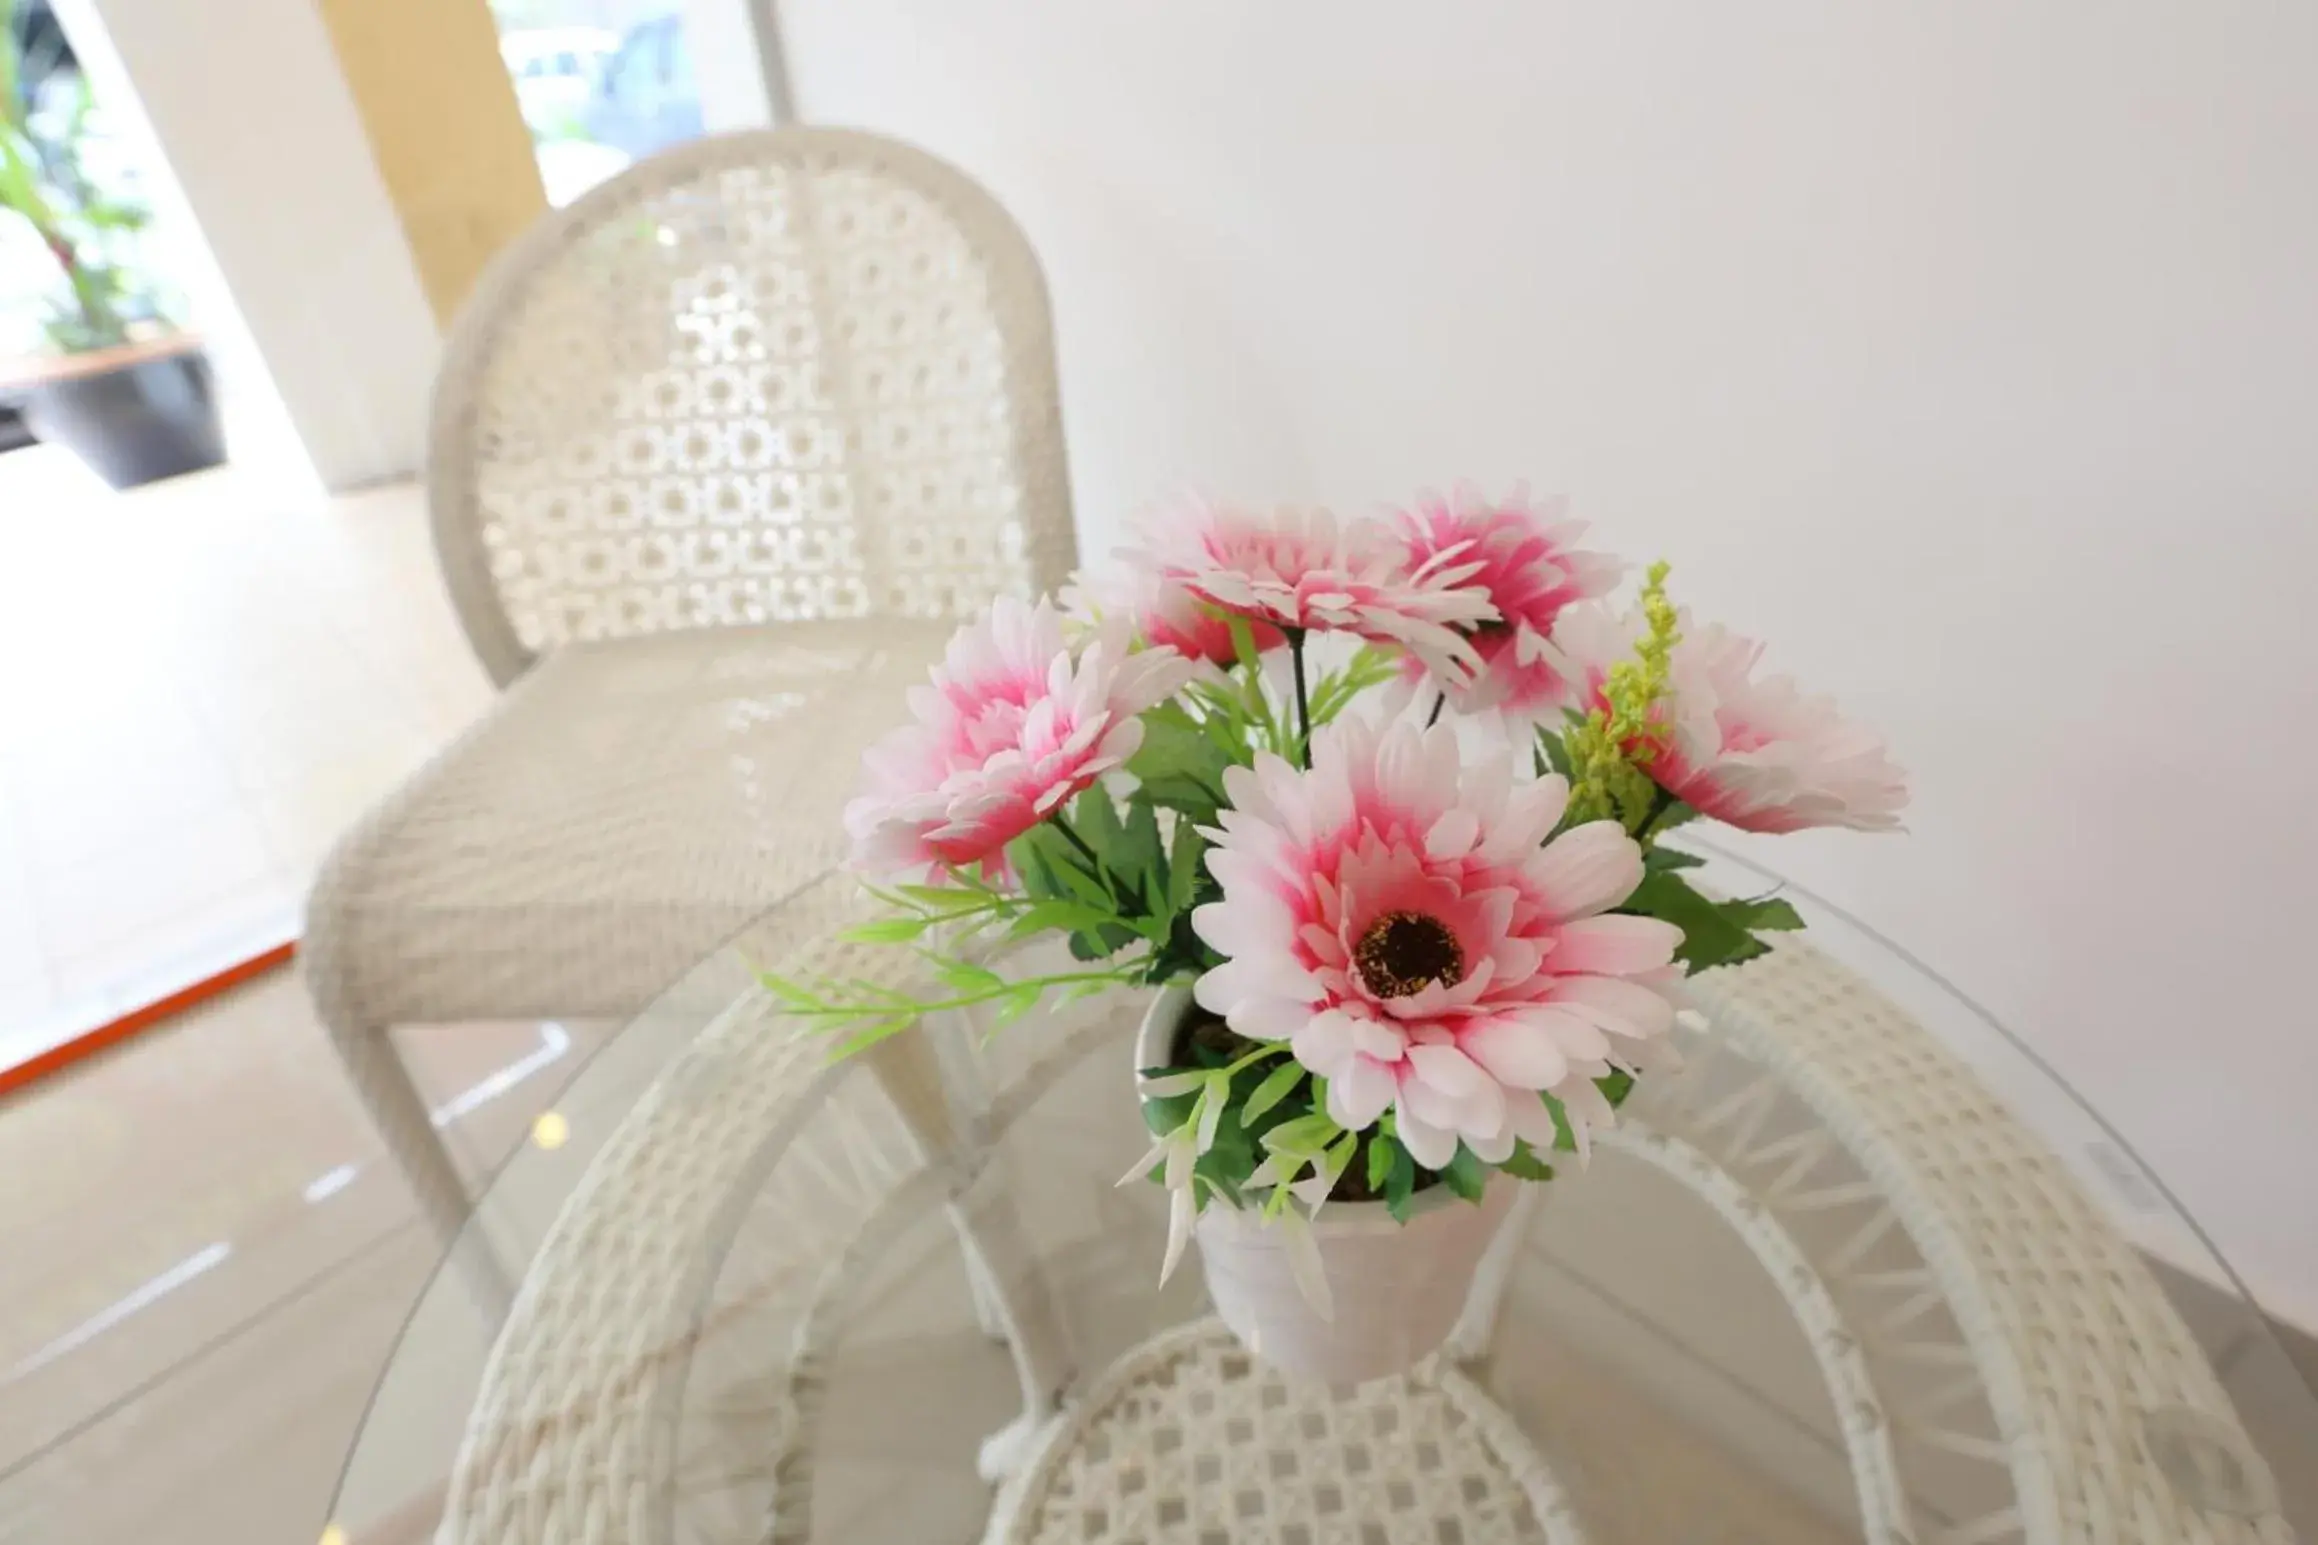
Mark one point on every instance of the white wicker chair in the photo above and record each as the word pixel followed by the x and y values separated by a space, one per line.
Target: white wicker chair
pixel 719 455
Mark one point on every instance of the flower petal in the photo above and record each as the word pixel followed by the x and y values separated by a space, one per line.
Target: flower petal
pixel 1360 1094
pixel 1587 869
pixel 1180 1212
pixel 1516 1052
pixel 1620 1007
pixel 1614 945
pixel 1447 1069
pixel 1429 1145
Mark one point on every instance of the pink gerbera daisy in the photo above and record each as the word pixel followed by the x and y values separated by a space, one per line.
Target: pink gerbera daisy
pixel 1305 569
pixel 1399 917
pixel 1160 611
pixel 1752 752
pixel 1531 567
pixel 1012 726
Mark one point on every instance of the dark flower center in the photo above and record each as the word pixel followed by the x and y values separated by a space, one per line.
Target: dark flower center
pixel 1402 952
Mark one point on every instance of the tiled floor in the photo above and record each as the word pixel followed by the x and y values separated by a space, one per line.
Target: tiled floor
pixel 201 683
pixel 198 1303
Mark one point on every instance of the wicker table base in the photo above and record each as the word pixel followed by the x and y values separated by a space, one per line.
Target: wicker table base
pixel 1818 1286
pixel 1188 1439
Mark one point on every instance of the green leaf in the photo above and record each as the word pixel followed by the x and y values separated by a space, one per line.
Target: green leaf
pixel 1764 912
pixel 872 1032
pixel 1676 814
pixel 1095 817
pixel 1017 1003
pixel 1072 992
pixel 1184 857
pixel 1068 866
pixel 1027 853
pixel 1400 1183
pixel 1273 1089
pixel 1226 1168
pixel 1710 937
pixel 1556 754
pixel 943 899
pixel 1380 1152
pixel 1466 1174
pixel 794 994
pixel 888 930
pixel 1656 857
pixel 1615 1087
pixel 1563 1138
pixel 1057 917
pixel 1137 860
pixel 963 976
pixel 1169 1113
pixel 1180 764
pixel 1243 641
pixel 1370 666
pixel 1526 1165
pixel 1304 1137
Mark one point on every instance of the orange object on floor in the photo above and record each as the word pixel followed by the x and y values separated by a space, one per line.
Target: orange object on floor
pixel 105 1036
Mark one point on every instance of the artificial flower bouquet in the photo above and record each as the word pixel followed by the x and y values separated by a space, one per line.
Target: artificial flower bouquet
pixel 1388 793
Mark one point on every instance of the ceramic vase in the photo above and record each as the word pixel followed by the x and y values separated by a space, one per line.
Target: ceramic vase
pixel 1396 1289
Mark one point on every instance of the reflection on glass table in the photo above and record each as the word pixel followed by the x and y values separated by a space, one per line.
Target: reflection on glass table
pixel 1820 1285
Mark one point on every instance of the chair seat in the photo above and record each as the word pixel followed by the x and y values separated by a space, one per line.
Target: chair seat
pixel 626 806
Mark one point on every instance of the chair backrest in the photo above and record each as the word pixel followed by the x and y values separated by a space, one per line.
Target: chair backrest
pixel 768 376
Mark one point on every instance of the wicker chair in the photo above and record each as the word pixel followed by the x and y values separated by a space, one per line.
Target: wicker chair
pixel 720 454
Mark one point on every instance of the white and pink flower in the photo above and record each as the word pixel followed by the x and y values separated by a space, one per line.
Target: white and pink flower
pixel 1399 918
pixel 1753 752
pixel 1161 613
pixel 1012 726
pixel 1531 567
pixel 1305 569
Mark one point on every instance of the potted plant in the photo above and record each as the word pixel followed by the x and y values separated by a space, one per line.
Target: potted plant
pixel 123 389
pixel 1379 805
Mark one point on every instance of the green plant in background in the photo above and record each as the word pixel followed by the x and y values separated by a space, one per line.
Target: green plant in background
pixel 92 235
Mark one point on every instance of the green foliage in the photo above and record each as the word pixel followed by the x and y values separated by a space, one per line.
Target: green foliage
pixel 1277 1086
pixel 1526 1165
pixel 1714 933
pixel 90 235
pixel 1400 1182
pixel 1118 881
pixel 1610 748
pixel 1380 1152
pixel 1338 690
pixel 1564 1138
pixel 1119 875
pixel 1553 755
pixel 1181 763
pixel 1466 1174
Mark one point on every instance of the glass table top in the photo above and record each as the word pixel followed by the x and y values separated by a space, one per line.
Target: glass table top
pixel 1863 1268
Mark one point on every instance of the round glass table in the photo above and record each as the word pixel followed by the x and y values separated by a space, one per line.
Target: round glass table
pixel 1861 1269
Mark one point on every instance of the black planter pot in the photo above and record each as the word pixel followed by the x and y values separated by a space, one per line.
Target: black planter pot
pixel 148 416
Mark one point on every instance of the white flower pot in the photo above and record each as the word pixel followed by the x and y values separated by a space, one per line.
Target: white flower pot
pixel 1396 1289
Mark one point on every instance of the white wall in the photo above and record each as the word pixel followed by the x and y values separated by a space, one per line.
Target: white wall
pixel 1969 351
pixel 252 127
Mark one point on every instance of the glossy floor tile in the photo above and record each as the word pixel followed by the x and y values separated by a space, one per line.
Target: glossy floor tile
pixel 201 683
pixel 208 1257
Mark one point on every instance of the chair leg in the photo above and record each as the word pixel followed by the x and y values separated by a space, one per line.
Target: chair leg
pixel 415 1147
pixel 1002 1267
